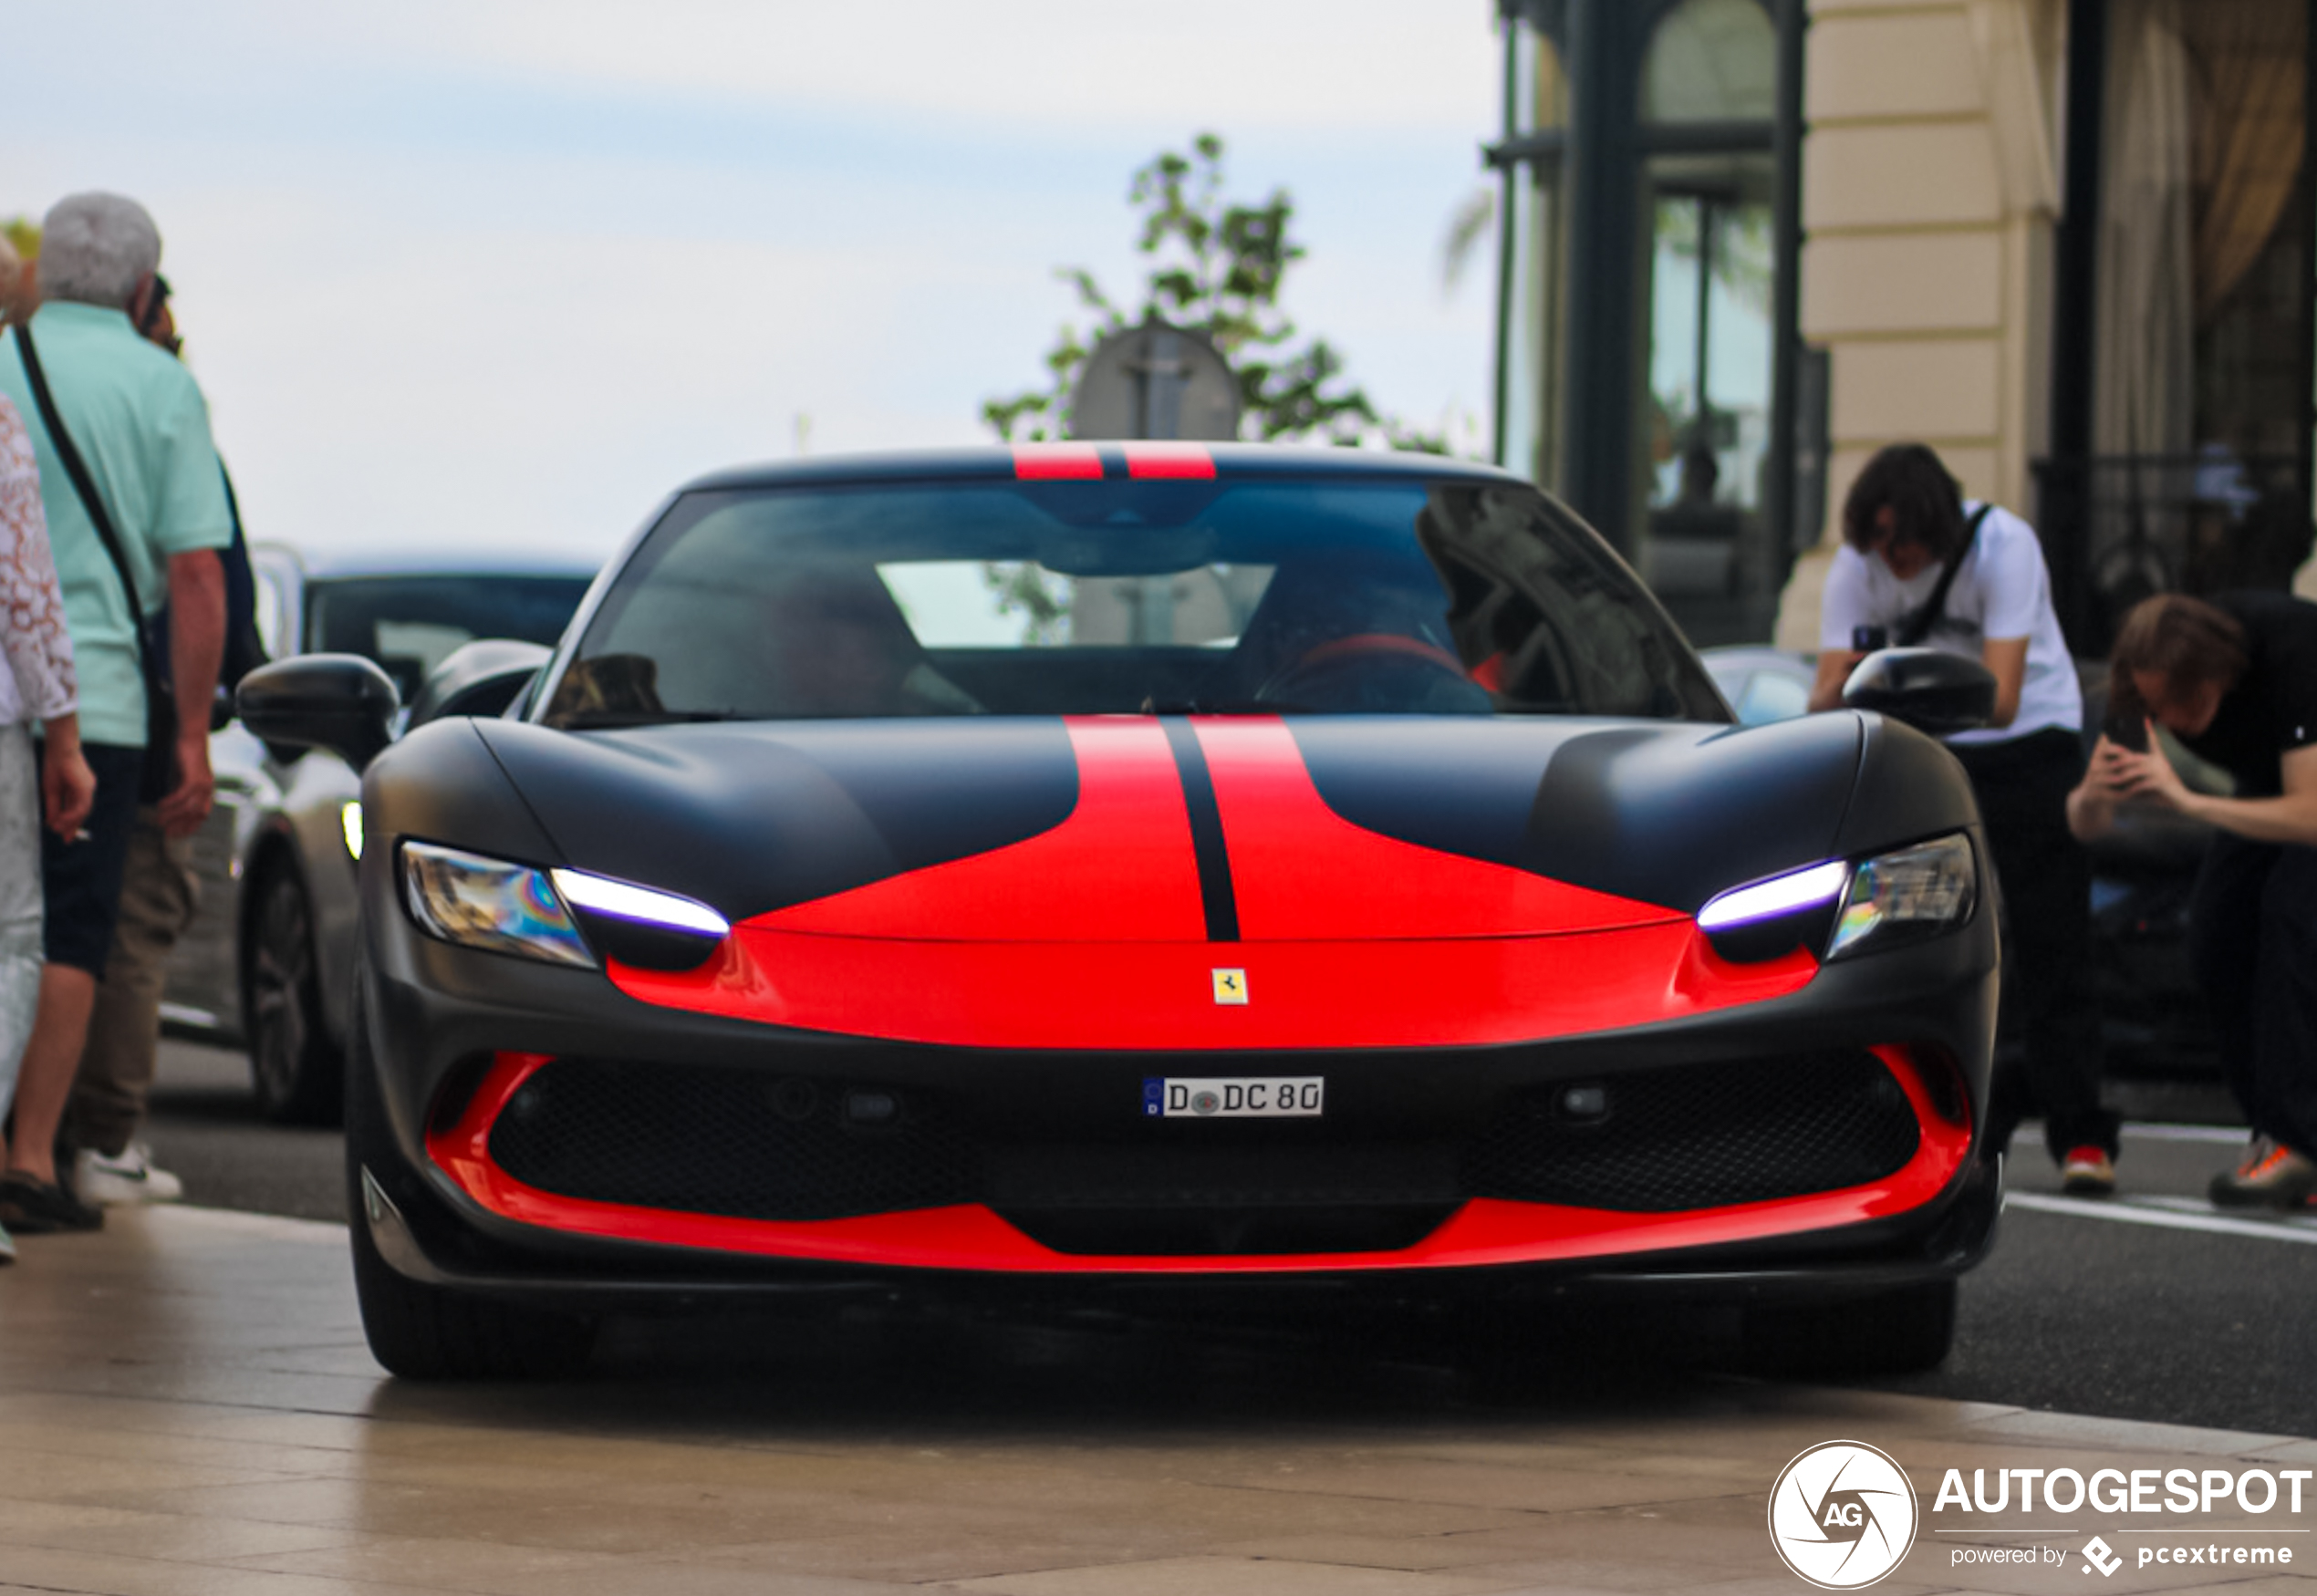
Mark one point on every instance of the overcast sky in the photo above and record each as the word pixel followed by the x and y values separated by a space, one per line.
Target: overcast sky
pixel 506 271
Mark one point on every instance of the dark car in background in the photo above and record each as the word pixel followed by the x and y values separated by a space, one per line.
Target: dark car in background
pixel 2152 1015
pixel 267 957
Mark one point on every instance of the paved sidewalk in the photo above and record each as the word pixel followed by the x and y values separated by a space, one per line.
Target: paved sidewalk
pixel 186 1406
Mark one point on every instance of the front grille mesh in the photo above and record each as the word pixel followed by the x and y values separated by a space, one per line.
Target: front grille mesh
pixel 1703 1136
pixel 726 1142
pixel 741 1145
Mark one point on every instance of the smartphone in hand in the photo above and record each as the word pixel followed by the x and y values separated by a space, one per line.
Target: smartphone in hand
pixel 2127 731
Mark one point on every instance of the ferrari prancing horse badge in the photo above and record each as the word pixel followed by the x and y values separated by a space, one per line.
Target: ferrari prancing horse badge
pixel 1230 986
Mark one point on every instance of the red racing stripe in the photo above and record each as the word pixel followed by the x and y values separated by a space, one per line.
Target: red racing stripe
pixel 1048 461
pixel 1146 461
pixel 1092 936
pixel 1303 872
pixel 1119 867
pixel 1484 1231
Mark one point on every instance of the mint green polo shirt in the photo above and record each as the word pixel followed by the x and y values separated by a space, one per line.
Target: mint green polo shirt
pixel 143 427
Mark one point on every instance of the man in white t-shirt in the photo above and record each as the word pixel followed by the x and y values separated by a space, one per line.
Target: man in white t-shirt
pixel 1905 525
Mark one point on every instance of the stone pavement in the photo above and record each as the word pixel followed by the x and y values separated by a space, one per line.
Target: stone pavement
pixel 186 1406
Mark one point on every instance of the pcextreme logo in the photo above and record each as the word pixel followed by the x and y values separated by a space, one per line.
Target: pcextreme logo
pixel 1843 1515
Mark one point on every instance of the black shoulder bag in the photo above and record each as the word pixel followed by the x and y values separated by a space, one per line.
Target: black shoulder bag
pixel 1917 626
pixel 160 775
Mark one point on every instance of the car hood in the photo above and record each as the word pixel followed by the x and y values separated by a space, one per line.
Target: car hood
pixel 1143 829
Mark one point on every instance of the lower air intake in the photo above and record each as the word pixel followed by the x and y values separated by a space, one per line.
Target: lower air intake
pixel 1701 1136
pixel 728 1142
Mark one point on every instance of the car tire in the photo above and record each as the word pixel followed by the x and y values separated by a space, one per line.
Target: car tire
pixel 1903 1331
pixel 297 1075
pixel 422 1332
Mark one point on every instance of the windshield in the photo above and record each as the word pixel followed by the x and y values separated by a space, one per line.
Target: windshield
pixel 1344 595
pixel 409 625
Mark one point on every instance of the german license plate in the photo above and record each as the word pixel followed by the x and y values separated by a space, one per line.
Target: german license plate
pixel 1234 1096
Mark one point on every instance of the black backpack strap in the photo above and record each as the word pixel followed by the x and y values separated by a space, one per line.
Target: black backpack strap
pixel 90 499
pixel 1918 626
pixel 244 650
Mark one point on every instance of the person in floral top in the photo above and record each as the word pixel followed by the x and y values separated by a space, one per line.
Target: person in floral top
pixel 38 686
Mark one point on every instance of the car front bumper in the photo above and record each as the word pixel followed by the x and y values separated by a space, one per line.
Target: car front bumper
pixel 452 1037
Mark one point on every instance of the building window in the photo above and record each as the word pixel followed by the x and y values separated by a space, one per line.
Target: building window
pixel 1534 202
pixel 1704 428
pixel 1712 61
pixel 1646 329
pixel 2195 473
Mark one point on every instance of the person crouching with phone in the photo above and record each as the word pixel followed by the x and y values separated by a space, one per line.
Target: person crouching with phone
pixel 2235 679
pixel 1920 566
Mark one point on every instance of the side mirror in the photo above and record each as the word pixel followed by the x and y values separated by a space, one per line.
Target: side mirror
pixel 1929 689
pixel 339 701
pixel 481 678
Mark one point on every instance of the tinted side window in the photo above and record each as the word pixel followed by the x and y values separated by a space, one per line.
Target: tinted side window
pixel 409 625
pixel 1545 609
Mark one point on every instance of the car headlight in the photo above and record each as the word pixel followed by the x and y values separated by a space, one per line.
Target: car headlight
pixel 477 902
pixel 1845 909
pixel 350 826
pixel 1906 895
pixel 566 916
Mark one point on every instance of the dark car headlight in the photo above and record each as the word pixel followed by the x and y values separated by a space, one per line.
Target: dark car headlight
pixel 1906 895
pixel 501 907
pixel 1840 909
pixel 490 904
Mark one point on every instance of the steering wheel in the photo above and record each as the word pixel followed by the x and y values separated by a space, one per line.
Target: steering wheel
pixel 1374 670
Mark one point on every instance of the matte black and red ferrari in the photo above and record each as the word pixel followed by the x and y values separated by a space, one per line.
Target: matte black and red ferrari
pixel 1133 865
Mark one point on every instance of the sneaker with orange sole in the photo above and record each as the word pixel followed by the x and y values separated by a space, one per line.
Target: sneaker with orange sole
pixel 2087 1171
pixel 2277 1177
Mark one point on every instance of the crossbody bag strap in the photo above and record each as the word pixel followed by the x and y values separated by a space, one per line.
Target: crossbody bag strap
pixel 90 499
pixel 1918 625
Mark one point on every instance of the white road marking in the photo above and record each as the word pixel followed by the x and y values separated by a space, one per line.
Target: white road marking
pixel 2032 1130
pixel 2167 1214
pixel 2218 1135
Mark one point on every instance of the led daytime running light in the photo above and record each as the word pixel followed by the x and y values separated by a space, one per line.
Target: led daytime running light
pixel 622 900
pixel 1781 895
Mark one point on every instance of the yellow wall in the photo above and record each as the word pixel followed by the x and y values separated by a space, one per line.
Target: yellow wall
pixel 1929 197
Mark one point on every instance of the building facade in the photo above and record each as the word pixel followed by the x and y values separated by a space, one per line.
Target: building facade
pixel 2068 242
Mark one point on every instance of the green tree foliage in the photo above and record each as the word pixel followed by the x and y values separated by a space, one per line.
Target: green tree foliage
pixel 17 295
pixel 1217 266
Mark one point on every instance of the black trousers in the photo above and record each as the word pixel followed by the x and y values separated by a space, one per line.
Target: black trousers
pixel 2253 926
pixel 2046 884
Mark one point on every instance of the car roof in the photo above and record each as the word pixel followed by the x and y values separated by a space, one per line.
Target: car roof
pixel 1118 461
pixel 338 564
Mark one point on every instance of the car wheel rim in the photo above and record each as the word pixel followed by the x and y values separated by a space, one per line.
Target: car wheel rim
pixel 281 966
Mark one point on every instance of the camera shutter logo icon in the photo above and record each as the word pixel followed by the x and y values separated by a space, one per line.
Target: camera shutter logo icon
pixel 1843 1515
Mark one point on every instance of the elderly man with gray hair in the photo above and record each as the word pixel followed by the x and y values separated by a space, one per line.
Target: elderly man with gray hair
pixel 137 511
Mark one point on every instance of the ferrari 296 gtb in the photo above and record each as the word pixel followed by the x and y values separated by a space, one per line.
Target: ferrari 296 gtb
pixel 1114 868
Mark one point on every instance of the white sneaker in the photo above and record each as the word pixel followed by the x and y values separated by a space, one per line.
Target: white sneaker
pixel 117 1182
